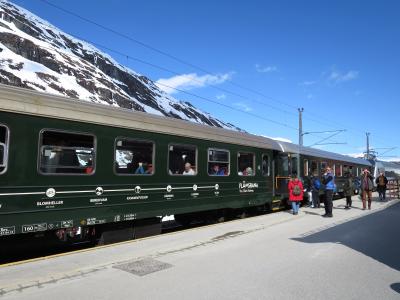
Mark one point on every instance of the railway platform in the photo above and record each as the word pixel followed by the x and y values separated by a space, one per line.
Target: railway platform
pixel 353 255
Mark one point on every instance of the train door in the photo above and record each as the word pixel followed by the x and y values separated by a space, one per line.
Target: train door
pixel 281 172
pixel 285 165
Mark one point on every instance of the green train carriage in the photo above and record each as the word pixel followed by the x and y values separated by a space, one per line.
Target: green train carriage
pixel 78 170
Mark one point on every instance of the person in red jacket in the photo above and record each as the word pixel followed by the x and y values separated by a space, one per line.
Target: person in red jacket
pixel 295 188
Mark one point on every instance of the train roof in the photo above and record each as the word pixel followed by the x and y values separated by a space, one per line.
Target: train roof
pixel 294 148
pixel 25 101
pixel 30 102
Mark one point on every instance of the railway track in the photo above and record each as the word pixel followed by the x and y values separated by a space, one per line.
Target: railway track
pixel 42 248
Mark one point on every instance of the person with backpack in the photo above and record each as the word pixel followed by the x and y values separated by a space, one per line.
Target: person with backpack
pixel 295 188
pixel 366 187
pixel 315 187
pixel 381 184
pixel 348 188
pixel 328 179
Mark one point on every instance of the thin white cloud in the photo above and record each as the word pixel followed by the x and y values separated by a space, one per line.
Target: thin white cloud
pixel 191 81
pixel 308 83
pixel 310 96
pixel 221 96
pixel 242 106
pixel 395 159
pixel 339 77
pixel 267 69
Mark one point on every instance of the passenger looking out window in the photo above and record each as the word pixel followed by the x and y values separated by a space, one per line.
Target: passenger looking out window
pixel 134 157
pixel 217 171
pixel 246 164
pixel 182 160
pixel 188 170
pixel 218 162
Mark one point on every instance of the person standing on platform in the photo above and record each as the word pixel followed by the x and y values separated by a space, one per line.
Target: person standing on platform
pixel 329 181
pixel 348 188
pixel 381 185
pixel 366 187
pixel 295 188
pixel 315 187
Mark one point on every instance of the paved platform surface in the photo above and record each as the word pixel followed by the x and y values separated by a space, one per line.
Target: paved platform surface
pixel 354 255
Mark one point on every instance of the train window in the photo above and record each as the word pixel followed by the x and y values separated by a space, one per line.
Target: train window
pixel 324 165
pixel 346 170
pixel 4 134
pixel 338 170
pixel 246 163
pixel 182 160
pixel 66 153
pixel 265 165
pixel 305 167
pixel 218 162
pixel 282 165
pixel 294 166
pixel 314 168
pixel 133 157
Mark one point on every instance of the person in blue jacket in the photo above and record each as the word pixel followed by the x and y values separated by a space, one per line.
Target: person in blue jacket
pixel 328 179
pixel 216 170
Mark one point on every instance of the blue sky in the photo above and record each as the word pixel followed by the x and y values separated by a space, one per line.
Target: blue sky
pixel 339 60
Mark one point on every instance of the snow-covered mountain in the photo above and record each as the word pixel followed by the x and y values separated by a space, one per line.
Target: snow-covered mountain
pixel 36 55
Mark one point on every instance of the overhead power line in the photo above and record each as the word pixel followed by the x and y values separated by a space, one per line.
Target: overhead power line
pixel 176 89
pixel 134 40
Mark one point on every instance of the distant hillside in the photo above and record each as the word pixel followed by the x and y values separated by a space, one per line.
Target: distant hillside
pixel 36 55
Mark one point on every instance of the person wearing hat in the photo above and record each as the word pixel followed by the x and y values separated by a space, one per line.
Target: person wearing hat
pixel 366 187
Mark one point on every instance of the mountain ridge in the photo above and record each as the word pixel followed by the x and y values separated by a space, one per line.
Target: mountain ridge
pixel 37 55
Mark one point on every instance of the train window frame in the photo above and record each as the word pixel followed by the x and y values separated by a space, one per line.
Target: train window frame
pixel 196 159
pixel 254 164
pixel 315 171
pixel 6 146
pixel 338 167
pixel 215 162
pixel 153 156
pixel 40 147
pixel 268 173
pixel 322 169
pixel 306 171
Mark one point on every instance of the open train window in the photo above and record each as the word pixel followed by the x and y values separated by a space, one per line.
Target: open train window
pixel 134 157
pixel 182 160
pixel 64 152
pixel 265 164
pixel 246 164
pixel 4 134
pixel 218 162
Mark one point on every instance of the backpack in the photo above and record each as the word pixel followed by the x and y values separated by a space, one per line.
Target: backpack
pixel 317 184
pixel 296 190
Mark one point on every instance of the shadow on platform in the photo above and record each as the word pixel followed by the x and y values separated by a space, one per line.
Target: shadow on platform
pixel 376 235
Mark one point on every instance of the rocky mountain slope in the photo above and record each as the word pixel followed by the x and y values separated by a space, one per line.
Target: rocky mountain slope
pixel 36 55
